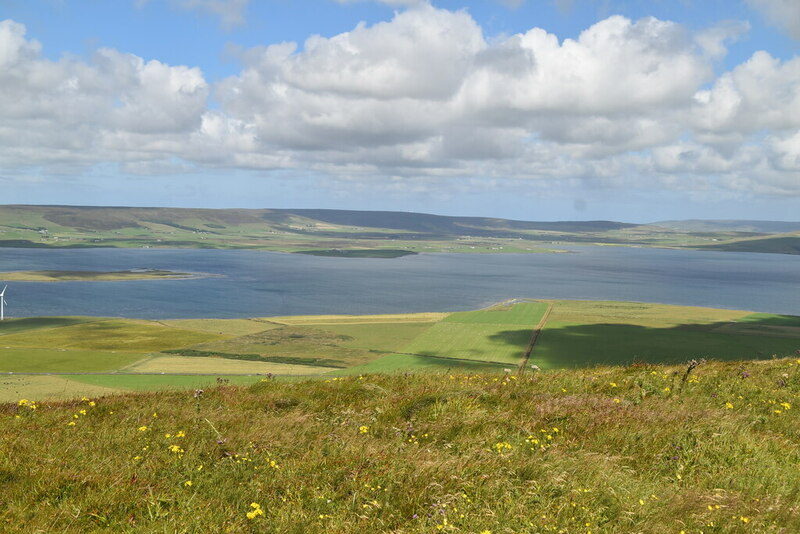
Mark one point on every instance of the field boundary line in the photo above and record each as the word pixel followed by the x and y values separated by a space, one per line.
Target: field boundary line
pixel 534 337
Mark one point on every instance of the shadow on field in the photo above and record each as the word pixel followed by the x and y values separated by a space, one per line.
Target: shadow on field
pixel 422 362
pixel 12 326
pixel 624 344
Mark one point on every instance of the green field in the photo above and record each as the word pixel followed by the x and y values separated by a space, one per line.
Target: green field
pixel 110 334
pixel 498 335
pixel 36 360
pixel 29 324
pixel 585 333
pixel 121 383
pixel 570 334
pixel 523 313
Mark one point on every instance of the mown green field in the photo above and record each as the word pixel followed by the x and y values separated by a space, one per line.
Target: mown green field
pixel 498 335
pixel 573 334
pixel 522 313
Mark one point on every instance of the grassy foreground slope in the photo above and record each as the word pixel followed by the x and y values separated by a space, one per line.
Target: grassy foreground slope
pixel 643 448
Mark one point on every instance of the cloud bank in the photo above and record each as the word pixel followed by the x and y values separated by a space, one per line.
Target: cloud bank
pixel 427 99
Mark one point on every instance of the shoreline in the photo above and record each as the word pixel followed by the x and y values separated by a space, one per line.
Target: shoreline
pixel 97 276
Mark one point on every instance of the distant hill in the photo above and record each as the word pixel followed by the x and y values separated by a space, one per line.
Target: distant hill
pixel 782 244
pixel 441 224
pixel 388 232
pixel 713 225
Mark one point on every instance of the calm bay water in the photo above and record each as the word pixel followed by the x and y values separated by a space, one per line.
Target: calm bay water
pixel 255 283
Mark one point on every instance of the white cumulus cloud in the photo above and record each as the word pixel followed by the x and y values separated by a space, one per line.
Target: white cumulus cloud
pixel 784 14
pixel 427 98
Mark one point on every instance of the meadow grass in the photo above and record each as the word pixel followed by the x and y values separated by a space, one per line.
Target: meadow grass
pixel 110 334
pixel 227 327
pixel 13 326
pixel 289 341
pixel 64 361
pixel 378 336
pixel 645 449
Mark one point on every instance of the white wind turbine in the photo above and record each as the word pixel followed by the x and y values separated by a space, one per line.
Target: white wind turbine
pixel 3 303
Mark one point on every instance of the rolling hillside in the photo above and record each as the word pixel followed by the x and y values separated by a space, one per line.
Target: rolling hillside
pixel 331 231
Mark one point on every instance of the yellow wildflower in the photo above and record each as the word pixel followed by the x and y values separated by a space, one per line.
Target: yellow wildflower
pixel 255 512
pixel 502 446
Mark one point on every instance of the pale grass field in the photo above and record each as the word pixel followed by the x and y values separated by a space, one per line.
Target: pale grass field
pixel 635 313
pixel 303 320
pixel 13 388
pixel 222 366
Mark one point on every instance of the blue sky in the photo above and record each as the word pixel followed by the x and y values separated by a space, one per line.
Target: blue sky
pixel 538 110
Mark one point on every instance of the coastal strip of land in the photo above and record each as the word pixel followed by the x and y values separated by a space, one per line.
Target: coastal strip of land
pixel 92 276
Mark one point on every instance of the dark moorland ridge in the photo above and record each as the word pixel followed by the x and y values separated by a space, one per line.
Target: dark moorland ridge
pixel 715 225
pixel 321 231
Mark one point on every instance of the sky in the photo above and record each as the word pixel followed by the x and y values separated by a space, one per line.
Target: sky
pixel 627 110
